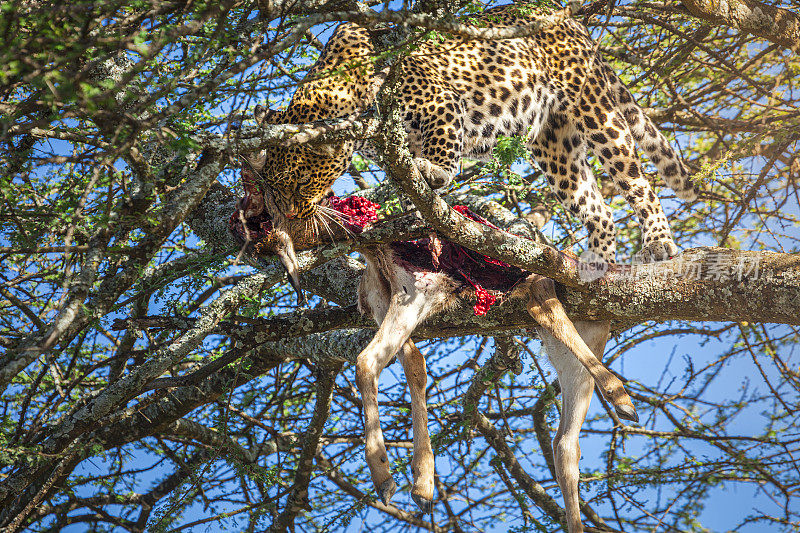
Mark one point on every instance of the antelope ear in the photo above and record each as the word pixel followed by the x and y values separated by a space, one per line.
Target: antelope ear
pixel 264 115
pixel 327 150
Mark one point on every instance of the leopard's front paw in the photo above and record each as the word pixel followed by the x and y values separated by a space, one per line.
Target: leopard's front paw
pixel 436 176
pixel 657 251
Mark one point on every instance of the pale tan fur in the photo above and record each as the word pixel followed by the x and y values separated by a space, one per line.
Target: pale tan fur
pixel 400 297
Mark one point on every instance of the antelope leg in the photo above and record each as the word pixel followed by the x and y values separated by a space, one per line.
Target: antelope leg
pixel 576 390
pixel 422 463
pixel 545 308
pixel 404 313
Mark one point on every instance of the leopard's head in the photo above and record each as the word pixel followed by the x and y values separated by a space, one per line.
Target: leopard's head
pixel 289 183
pixel 292 180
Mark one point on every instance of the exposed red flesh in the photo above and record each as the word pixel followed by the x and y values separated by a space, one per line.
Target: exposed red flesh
pixel 359 211
pixel 477 270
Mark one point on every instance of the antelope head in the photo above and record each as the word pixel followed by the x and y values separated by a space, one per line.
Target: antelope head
pixel 280 236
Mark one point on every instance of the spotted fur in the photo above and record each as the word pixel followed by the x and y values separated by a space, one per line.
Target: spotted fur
pixel 459 96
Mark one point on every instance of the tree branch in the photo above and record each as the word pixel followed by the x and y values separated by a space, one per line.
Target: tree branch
pixel 298 498
pixel 775 24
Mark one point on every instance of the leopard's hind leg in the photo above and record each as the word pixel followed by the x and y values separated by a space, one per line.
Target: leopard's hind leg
pixel 667 160
pixel 609 137
pixel 560 151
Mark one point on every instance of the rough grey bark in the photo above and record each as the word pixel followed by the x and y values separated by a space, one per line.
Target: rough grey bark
pixel 700 284
pixel 704 284
pixel 781 26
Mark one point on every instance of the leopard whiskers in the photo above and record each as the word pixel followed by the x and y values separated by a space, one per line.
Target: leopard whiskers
pixel 319 223
pixel 320 216
pixel 315 227
pixel 335 216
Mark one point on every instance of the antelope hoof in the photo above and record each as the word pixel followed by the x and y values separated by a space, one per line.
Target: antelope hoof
pixel 387 490
pixel 425 505
pixel 627 412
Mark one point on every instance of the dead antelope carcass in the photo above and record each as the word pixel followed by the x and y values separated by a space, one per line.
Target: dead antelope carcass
pixel 406 283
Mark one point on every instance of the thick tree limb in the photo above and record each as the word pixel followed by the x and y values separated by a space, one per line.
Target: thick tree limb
pixel 694 286
pixel 775 24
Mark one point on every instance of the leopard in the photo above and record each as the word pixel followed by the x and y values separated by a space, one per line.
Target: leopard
pixel 457 97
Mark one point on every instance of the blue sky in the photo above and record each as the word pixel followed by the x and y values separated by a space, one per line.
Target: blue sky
pixel 646 363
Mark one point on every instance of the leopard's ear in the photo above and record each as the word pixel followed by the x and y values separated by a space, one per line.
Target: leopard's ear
pixel 265 115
